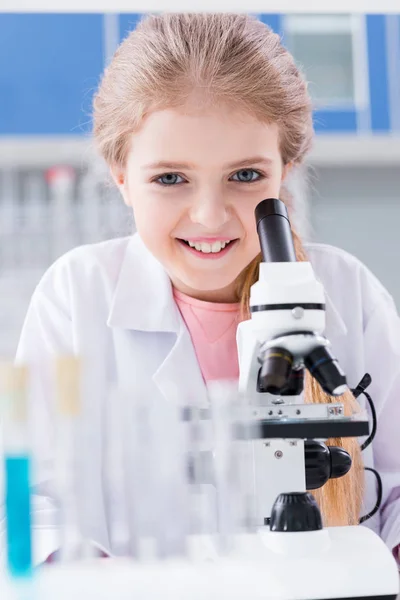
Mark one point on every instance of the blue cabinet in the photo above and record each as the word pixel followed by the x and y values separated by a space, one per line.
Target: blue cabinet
pixel 274 20
pixel 49 68
pixel 126 23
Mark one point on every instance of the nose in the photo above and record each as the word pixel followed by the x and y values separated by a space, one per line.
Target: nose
pixel 211 211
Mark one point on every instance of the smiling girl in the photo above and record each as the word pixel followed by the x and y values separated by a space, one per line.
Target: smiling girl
pixel 200 117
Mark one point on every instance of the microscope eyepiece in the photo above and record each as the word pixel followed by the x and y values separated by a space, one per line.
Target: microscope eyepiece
pixel 273 228
pixel 270 206
pixel 326 370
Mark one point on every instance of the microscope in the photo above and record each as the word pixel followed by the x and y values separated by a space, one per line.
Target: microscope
pixel 283 338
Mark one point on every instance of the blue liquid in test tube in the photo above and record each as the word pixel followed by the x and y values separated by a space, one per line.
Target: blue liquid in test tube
pixel 16 452
pixel 18 519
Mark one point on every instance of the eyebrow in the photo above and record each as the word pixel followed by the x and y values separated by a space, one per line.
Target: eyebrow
pixel 245 162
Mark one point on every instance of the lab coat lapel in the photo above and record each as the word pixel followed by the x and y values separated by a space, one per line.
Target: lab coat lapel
pixel 143 302
pixel 179 375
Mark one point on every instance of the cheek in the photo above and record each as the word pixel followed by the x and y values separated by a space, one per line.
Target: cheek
pixel 245 208
pixel 155 219
pixel 246 216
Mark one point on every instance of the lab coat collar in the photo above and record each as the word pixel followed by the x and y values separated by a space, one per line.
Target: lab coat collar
pixel 143 298
pixel 143 301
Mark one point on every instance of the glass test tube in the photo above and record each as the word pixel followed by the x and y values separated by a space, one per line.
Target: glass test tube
pixel 68 400
pixel 14 393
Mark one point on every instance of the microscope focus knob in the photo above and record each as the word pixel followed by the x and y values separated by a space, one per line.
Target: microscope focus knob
pixel 295 511
pixel 340 462
pixel 324 462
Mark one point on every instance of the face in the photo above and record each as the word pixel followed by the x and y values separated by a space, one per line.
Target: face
pixel 193 182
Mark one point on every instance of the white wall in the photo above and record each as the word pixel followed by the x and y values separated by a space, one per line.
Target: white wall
pixel 358 209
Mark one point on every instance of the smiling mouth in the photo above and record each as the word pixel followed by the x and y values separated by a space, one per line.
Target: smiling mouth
pixel 214 248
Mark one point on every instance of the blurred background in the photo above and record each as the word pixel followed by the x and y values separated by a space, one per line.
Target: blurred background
pixel 55 193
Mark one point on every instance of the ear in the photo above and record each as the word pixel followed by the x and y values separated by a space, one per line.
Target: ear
pixel 119 176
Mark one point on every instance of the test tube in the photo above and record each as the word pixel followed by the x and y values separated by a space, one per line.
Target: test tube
pixel 170 467
pixel 14 392
pixel 200 473
pixel 143 498
pixel 245 430
pixel 116 480
pixel 222 397
pixel 68 401
pixel 221 447
pixel 156 454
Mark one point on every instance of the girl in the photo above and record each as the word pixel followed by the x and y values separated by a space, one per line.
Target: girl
pixel 199 118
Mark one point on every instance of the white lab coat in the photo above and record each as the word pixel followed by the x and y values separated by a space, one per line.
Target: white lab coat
pixel 112 304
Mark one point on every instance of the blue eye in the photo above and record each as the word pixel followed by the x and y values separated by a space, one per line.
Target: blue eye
pixel 247 175
pixel 169 179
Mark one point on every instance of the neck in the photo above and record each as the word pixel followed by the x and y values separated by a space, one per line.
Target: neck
pixel 223 296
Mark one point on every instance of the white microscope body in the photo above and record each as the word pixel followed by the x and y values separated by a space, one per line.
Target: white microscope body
pixel 283 337
pixel 279 463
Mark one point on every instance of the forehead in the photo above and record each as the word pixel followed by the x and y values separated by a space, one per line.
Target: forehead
pixel 208 137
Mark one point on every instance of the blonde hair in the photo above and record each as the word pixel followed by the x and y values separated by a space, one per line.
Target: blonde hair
pixel 232 59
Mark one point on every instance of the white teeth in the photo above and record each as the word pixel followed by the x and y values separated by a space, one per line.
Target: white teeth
pixel 207 248
pixel 216 247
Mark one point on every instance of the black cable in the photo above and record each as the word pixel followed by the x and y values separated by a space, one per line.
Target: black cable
pixel 379 495
pixel 362 386
pixel 374 422
pixel 360 389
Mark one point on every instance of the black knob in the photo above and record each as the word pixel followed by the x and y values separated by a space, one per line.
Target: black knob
pixel 340 462
pixel 317 463
pixel 323 463
pixel 295 511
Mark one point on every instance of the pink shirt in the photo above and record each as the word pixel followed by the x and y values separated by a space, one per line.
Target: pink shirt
pixel 212 327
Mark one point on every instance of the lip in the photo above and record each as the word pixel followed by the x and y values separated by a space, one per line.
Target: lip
pixel 208 255
pixel 208 240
